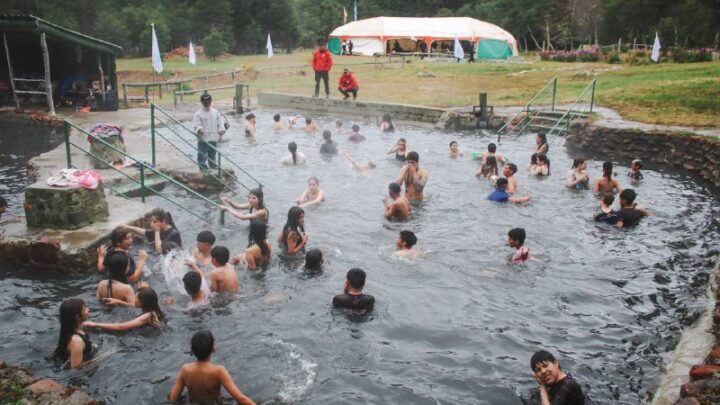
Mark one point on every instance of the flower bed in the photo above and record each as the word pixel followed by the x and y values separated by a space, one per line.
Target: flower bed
pixel 570 56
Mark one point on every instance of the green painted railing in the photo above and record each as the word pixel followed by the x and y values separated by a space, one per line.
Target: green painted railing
pixel 583 105
pixel 542 99
pixel 143 167
pixel 160 117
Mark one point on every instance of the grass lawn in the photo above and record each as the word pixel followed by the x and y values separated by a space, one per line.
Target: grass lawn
pixel 672 94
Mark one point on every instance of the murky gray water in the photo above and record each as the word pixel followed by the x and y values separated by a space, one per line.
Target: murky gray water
pixel 458 326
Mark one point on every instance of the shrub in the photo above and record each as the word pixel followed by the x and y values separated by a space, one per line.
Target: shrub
pixel 570 56
pixel 215 44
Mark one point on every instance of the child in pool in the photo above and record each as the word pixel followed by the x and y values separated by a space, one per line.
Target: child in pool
pixel 201 253
pixel 635 174
pixel 516 239
pixel 223 278
pixel 405 242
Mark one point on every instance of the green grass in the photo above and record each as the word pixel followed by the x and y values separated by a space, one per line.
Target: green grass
pixel 673 94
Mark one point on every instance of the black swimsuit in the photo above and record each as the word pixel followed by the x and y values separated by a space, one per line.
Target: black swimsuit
pixel 399 156
pixel 87 351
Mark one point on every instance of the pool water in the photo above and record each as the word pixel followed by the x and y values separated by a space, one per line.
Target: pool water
pixel 459 325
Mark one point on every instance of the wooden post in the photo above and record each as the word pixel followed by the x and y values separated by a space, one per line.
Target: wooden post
pixel 10 71
pixel 125 91
pixel 48 83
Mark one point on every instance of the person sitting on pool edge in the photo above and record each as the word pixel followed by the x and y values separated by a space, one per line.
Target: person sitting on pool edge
pixel 501 195
pixel 399 207
pixel 516 239
pixel 556 386
pixel 201 253
pixel 353 297
pixel 328 147
pixel 413 177
pixel 162 229
pixel 405 242
pixel 203 379
pixel 630 213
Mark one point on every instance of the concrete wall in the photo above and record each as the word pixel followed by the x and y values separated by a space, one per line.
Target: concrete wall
pixel 403 112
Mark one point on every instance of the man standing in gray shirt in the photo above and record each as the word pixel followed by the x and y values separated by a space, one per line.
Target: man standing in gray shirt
pixel 209 126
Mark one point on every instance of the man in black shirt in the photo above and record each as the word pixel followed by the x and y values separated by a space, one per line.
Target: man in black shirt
pixel 630 213
pixel 556 387
pixel 353 298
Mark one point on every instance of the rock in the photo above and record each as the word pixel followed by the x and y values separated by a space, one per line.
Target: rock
pixel 425 73
pixel 18 375
pixel 687 401
pixel 45 385
pixel 45 251
pixel 714 356
pixel 702 371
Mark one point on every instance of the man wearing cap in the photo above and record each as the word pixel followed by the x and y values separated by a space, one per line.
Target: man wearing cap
pixel 348 84
pixel 321 64
pixel 208 124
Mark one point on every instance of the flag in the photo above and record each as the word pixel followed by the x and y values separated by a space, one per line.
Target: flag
pixel 355 10
pixel 156 61
pixel 344 16
pixel 655 55
pixel 457 50
pixel 269 47
pixel 191 54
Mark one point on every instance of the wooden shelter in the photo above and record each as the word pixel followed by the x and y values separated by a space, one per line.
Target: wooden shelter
pixel 41 56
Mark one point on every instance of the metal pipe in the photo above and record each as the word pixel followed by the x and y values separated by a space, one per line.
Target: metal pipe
pixel 48 83
pixel 10 71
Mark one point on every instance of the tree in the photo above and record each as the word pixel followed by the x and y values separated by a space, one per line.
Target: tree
pixel 215 44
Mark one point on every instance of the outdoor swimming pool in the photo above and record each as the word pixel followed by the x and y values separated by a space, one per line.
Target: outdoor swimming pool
pixel 456 327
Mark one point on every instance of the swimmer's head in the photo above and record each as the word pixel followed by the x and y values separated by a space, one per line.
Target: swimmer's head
pixel 250 117
pixel 338 124
pixel 516 237
pixel 205 240
pixel 412 157
pixel 314 259
pixel 636 164
pixel 402 143
pixel 541 138
pixel 501 183
pixel 608 199
pixel 220 256
pixel 371 165
pixel 356 128
pixel 292 147
pixel 118 264
pixel 121 237
pixel 313 183
pixel 541 356
pixel 73 312
pixel 149 302
pixel 453 146
pixel 192 281
pixel 534 159
pixel 256 199
pixel 509 169
pixel 492 147
pixel 394 189
pixel 607 169
pixel 308 121
pixel 406 239
pixel 579 163
pixel 292 120
pixel 276 117
pixel 627 197
pixel 169 246
pixel 327 135
pixel 162 217
pixel 356 278
pixel 202 344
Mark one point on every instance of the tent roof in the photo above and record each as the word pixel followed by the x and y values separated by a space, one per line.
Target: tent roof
pixel 464 28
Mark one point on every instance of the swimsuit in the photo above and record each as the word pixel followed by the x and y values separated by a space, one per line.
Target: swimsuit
pixel 581 185
pixel 87 351
pixel 607 217
pixel 399 157
pixel 635 175
pixel 111 250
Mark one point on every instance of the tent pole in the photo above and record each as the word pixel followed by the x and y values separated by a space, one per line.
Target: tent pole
pixel 10 71
pixel 48 84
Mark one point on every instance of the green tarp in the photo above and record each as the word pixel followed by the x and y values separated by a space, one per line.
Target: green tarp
pixel 335 46
pixel 493 49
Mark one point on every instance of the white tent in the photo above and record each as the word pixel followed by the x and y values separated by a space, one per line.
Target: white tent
pixel 369 36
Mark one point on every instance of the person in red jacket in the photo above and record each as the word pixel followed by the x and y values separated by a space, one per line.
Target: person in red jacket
pixel 348 84
pixel 321 63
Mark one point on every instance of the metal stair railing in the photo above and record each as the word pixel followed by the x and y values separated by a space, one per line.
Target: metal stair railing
pixel 581 106
pixel 156 112
pixel 542 98
pixel 143 167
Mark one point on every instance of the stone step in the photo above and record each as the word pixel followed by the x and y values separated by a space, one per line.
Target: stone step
pixel 132 189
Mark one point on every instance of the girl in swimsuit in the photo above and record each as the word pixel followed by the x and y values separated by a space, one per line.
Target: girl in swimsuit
pixel 293 235
pixel 255 205
pixel 489 168
pixel 250 124
pixel 121 239
pixel 606 183
pixel 151 314
pixel 399 149
pixel 258 251
pixel 542 146
pixel 543 166
pixel 313 195
pixel 295 157
pixel 115 290
pixel 386 125
pixel 533 163
pixel 162 229
pixel 74 343
pixel 577 177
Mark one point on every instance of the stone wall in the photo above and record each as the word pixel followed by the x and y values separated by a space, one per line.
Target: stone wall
pixel 63 207
pixel 20 386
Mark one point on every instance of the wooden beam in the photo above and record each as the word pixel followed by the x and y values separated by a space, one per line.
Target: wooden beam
pixel 48 83
pixel 10 71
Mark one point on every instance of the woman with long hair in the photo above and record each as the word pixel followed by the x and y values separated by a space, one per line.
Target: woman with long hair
pixel 400 149
pixel 293 235
pixel 606 183
pixel 255 205
pixel 543 166
pixel 162 229
pixel 116 290
pixel 577 177
pixel 258 251
pixel 120 241
pixel 295 157
pixel 541 144
pixel 313 194
pixel 148 300
pixel 74 343
pixel 386 125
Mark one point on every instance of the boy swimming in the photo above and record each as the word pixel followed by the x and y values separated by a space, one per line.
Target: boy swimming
pixel 516 239
pixel 405 242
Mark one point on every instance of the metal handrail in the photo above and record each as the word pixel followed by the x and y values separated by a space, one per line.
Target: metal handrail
pixel 526 107
pixel 576 108
pixel 221 156
pixel 67 125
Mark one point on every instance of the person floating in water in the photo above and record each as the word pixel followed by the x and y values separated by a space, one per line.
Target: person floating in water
pixel 405 242
pixel 293 235
pixel 635 174
pixel 201 253
pixel 250 122
pixel 313 195
pixel 455 150
pixel 74 343
pixel 516 239
pixel 277 124
pixel 577 176
pixel 309 126
pixel 255 205
pixel 501 195
pixel 607 214
pixel 223 277
pixel 203 379
pixel 361 167
pixel 148 300
pixel 396 206
pixel 606 183
pixel 630 213
pixel 556 386
pixel 328 147
pixel 356 136
pixel 295 157
pixel 162 229
pixel 413 177
pixel 121 240
pixel 209 126
pixel 353 297
pixel 399 149
pixel 509 171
